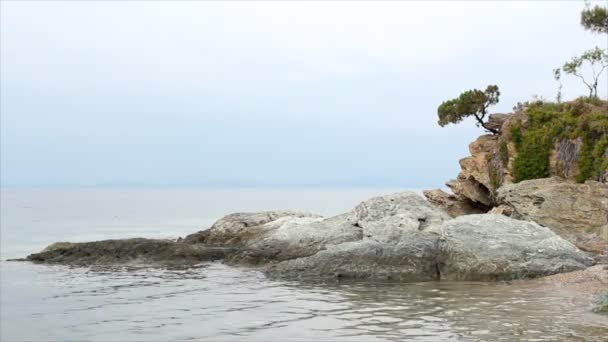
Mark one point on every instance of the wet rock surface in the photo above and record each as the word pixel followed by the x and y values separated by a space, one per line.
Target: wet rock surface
pixel 126 251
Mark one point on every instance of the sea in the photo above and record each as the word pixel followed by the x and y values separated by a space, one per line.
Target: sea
pixel 216 302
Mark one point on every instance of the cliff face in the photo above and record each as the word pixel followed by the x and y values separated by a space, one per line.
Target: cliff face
pixel 567 141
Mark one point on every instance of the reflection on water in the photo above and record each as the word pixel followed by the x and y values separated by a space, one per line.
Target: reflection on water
pixel 217 302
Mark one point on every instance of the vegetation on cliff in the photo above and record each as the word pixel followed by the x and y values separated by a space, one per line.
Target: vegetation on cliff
pixel 540 139
pixel 540 130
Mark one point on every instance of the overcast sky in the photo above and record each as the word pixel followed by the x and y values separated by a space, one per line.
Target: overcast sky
pixel 198 93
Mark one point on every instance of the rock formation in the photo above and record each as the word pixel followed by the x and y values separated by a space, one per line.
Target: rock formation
pixel 577 212
pixel 495 247
pixel 398 236
pixel 137 250
pixel 451 203
pixel 537 140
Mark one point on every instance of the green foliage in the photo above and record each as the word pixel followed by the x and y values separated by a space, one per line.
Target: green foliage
pixel 504 153
pixel 585 161
pixel 470 103
pixel 557 75
pixel 532 160
pixel 546 124
pixel 516 135
pixel 595 19
pixel 494 178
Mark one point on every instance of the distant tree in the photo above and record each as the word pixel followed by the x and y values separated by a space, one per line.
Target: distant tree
pixel 597 59
pixel 470 103
pixel 557 75
pixel 595 19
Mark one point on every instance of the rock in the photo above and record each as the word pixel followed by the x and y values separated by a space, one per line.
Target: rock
pixel 502 210
pixel 577 212
pixel 231 229
pixel 399 236
pixel 601 304
pixel 495 121
pixel 453 205
pixel 396 238
pixel 564 158
pixel 476 179
pixel 384 220
pixel 136 251
pixel 494 247
pixel 57 245
pixel 411 259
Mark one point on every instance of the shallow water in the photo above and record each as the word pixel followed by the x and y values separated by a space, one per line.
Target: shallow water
pixel 217 302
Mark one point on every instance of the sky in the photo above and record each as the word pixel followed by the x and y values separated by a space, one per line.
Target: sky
pixel 263 94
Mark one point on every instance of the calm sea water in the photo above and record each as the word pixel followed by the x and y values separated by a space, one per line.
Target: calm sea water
pixel 220 303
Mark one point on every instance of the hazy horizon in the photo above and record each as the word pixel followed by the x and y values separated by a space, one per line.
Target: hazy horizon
pixel 263 94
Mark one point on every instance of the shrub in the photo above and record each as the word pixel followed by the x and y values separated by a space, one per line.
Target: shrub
pixel 504 154
pixel 549 122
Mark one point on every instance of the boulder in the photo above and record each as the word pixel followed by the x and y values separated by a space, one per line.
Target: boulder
pixel 577 212
pixel 452 204
pixel 396 239
pixel 384 220
pixel 237 228
pixel 494 247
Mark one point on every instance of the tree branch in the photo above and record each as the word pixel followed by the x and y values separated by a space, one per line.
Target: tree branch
pixel 483 124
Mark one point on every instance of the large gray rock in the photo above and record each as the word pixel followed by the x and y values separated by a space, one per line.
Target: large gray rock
pixel 382 221
pixel 495 247
pixel 391 237
pixel 577 212
pixel 238 228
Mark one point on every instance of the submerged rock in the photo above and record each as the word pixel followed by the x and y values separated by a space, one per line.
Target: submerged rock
pixel 126 251
pixel 495 247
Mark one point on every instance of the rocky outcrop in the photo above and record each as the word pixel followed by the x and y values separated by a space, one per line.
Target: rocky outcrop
pixel 577 212
pixel 453 205
pixel 495 247
pixel 564 157
pixel 381 222
pixel 397 240
pixel 238 228
pixel 502 210
pixel 125 251
pixel 399 236
pixel 537 140
pixel 475 181
pixel 496 121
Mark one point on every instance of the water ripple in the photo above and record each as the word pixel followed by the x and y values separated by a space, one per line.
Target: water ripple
pixel 216 302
